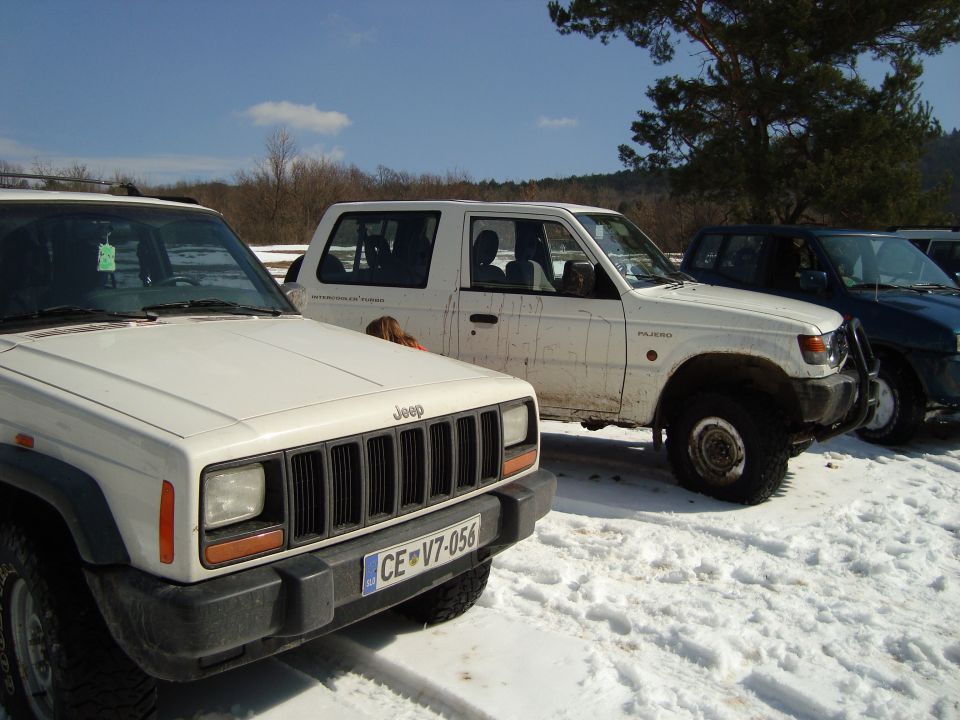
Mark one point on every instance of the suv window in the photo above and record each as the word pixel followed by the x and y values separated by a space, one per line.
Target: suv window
pixel 380 248
pixel 739 258
pixel 518 254
pixel 123 258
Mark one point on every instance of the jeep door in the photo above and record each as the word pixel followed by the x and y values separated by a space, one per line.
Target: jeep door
pixel 513 316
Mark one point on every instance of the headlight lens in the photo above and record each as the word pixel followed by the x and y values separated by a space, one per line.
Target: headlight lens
pixel 958 343
pixel 515 425
pixel 827 349
pixel 232 495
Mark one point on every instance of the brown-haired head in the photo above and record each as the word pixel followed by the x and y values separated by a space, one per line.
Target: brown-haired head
pixel 388 328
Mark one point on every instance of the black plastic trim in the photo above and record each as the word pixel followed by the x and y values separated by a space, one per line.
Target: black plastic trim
pixel 75 495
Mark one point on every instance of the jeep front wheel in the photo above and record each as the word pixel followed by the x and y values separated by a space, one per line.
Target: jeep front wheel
pixel 449 600
pixel 57 659
pixel 729 448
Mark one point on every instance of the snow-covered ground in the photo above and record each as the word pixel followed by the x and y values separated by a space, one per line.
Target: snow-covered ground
pixel 837 598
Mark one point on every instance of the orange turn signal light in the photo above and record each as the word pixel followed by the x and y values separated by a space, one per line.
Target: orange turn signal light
pixel 24 441
pixel 518 463
pixel 235 549
pixel 812 343
pixel 166 523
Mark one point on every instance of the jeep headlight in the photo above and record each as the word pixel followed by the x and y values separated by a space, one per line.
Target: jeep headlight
pixel 827 349
pixel 516 425
pixel 958 343
pixel 232 495
pixel 520 434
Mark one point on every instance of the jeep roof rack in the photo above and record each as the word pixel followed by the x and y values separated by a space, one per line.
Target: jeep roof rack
pixel 132 190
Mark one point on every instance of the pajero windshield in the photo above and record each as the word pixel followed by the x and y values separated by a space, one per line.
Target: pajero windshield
pixel 634 255
pixel 60 262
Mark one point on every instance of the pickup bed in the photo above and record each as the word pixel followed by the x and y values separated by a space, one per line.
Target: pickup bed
pixel 580 303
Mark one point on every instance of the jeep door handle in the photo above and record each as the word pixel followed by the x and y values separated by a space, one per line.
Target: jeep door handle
pixel 481 318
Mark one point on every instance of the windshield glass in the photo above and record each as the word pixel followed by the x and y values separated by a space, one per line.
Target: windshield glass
pixel 881 260
pixel 634 255
pixel 58 258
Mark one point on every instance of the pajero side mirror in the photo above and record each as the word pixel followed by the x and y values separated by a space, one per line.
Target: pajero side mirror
pixel 813 281
pixel 578 280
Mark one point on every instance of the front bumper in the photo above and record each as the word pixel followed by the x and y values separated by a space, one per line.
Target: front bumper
pixel 843 402
pixel 940 375
pixel 184 632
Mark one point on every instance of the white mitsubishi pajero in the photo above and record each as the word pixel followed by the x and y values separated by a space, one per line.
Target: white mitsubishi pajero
pixel 193 476
pixel 583 305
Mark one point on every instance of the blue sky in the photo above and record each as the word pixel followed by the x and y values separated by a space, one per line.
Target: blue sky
pixel 191 90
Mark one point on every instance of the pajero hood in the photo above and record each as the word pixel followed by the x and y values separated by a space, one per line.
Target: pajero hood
pixel 745 301
pixel 224 370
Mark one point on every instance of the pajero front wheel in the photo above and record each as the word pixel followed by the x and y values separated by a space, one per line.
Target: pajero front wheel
pixel 57 659
pixel 727 447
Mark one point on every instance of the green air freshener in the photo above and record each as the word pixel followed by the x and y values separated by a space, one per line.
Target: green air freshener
pixel 107 258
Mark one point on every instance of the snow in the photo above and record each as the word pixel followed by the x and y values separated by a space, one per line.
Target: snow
pixel 837 598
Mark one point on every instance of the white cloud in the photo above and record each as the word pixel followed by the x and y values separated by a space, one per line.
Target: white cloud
pixel 563 122
pixel 11 150
pixel 301 117
pixel 319 152
pixel 144 168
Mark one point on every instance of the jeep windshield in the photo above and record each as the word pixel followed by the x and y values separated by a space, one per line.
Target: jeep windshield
pixel 632 253
pixel 84 262
pixel 883 262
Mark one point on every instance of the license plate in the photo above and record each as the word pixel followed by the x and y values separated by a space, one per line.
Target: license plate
pixel 401 562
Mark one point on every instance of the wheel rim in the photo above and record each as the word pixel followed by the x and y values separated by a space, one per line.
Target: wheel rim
pixel 717 451
pixel 886 405
pixel 30 648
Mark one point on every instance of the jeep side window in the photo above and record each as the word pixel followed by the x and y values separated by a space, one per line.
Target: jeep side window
pixel 520 255
pixel 380 248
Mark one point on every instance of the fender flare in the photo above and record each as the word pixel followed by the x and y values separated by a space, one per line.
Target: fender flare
pixel 74 495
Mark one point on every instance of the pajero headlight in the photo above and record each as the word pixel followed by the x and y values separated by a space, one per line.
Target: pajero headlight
pixel 827 349
pixel 520 435
pixel 233 495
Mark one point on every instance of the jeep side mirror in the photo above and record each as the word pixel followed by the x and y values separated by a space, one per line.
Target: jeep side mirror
pixel 296 294
pixel 813 280
pixel 578 279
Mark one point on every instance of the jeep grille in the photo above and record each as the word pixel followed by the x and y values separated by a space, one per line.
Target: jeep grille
pixel 361 481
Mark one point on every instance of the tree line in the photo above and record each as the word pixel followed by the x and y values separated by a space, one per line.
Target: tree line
pixel 280 200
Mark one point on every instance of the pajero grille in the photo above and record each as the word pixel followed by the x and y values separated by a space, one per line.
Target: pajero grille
pixel 355 482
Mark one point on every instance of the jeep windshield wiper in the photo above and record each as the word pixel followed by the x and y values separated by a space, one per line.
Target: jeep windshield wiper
pixel 215 304
pixel 68 310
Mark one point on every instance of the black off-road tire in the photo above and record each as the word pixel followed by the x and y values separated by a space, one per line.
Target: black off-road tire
pixel 75 671
pixel 748 476
pixel 800 448
pixel 449 600
pixel 908 407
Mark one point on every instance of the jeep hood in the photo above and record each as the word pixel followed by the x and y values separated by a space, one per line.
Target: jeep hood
pixel 192 375
pixel 697 293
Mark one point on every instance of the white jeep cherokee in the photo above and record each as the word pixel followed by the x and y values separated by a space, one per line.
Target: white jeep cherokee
pixel 193 476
